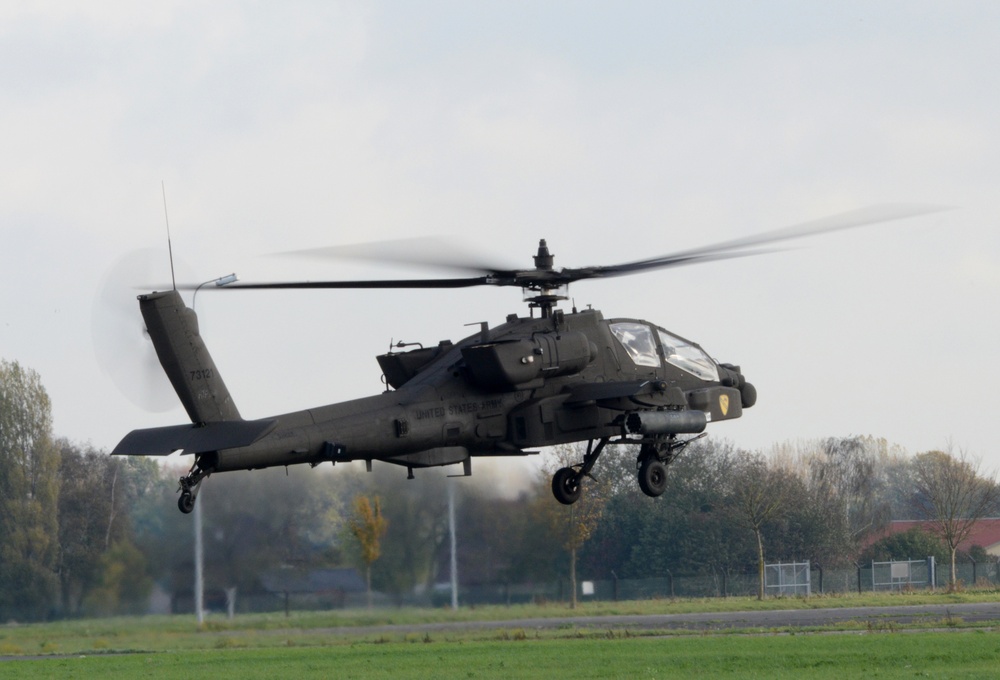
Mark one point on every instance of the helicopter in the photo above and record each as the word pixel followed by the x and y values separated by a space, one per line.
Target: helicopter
pixel 552 377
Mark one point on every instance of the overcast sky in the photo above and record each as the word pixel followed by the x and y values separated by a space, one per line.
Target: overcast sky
pixel 617 131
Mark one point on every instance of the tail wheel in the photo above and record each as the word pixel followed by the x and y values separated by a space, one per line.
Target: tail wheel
pixel 652 476
pixel 566 486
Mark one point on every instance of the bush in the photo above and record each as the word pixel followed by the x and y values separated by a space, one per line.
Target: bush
pixel 915 544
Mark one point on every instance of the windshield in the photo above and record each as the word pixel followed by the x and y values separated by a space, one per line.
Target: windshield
pixel 638 341
pixel 682 354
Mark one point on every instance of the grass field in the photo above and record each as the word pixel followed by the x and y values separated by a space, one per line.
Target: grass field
pixel 972 654
pixel 318 645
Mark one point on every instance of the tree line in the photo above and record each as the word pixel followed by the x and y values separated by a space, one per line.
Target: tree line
pixel 83 533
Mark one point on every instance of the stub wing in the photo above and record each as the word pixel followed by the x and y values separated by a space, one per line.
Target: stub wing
pixel 162 441
pixel 605 391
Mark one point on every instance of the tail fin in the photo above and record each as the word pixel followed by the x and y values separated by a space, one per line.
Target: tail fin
pixel 185 359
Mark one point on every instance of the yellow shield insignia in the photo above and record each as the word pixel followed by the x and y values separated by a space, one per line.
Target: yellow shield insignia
pixel 724 403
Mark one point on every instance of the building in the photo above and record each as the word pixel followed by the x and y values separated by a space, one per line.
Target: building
pixel 985 533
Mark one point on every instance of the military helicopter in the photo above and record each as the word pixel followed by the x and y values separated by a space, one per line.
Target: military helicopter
pixel 549 378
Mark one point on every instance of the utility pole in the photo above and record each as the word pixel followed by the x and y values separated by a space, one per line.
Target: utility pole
pixel 199 562
pixel 454 548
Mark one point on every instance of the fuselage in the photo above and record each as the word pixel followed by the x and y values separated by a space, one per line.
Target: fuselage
pixel 449 412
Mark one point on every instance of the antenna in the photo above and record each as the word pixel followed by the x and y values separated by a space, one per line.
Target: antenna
pixel 170 248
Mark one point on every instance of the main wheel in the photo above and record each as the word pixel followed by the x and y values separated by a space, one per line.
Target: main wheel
pixel 566 486
pixel 185 503
pixel 652 476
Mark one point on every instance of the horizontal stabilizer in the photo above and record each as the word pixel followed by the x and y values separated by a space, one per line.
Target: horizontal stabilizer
pixel 162 441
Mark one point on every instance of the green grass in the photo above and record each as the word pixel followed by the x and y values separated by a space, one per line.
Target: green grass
pixel 178 633
pixel 317 644
pixel 974 654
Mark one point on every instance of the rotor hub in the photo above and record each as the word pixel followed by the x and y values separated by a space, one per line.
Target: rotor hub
pixel 544 259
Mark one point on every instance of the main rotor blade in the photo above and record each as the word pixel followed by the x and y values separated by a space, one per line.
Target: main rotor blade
pixel 406 250
pixel 375 283
pixel 421 251
pixel 525 279
pixel 855 218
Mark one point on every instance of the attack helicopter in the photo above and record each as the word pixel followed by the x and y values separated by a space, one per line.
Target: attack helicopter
pixel 549 378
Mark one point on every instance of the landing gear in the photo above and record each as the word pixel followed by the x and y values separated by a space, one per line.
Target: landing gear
pixel 189 485
pixel 186 502
pixel 654 457
pixel 566 485
pixel 652 476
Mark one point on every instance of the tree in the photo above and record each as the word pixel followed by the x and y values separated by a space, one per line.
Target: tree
pixel 899 486
pixel 498 539
pixel 122 585
pixel 759 495
pixel 96 494
pixel 688 529
pixel 254 523
pixel 573 524
pixel 368 526
pixel 29 495
pixel 845 472
pixel 416 514
pixel 953 496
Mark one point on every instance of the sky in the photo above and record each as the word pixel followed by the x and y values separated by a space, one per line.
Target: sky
pixel 616 131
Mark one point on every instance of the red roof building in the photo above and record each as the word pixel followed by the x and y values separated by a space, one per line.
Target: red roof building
pixel 985 533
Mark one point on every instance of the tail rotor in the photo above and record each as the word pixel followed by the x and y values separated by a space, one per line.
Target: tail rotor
pixel 121 342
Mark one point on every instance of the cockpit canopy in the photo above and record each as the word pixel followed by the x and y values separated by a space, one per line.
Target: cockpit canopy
pixel 646 347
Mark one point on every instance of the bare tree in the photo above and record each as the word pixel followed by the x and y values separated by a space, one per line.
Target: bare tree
pixel 953 495
pixel 759 495
pixel 573 524
pixel 850 467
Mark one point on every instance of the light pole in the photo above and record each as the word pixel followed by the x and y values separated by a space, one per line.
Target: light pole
pixel 199 552
pixel 454 546
pixel 199 561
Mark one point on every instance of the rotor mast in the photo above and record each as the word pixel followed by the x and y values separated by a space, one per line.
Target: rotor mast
pixel 544 281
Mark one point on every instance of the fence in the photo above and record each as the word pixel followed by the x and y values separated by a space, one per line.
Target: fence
pixel 717 584
pixel 903 574
pixel 708 584
pixel 788 579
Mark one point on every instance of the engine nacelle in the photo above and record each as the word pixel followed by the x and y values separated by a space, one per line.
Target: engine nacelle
pixel 515 363
pixel 399 367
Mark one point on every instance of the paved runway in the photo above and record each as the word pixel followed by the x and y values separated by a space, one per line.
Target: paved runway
pixel 795 618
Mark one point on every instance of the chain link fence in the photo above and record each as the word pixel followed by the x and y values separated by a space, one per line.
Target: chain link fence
pixel 716 583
